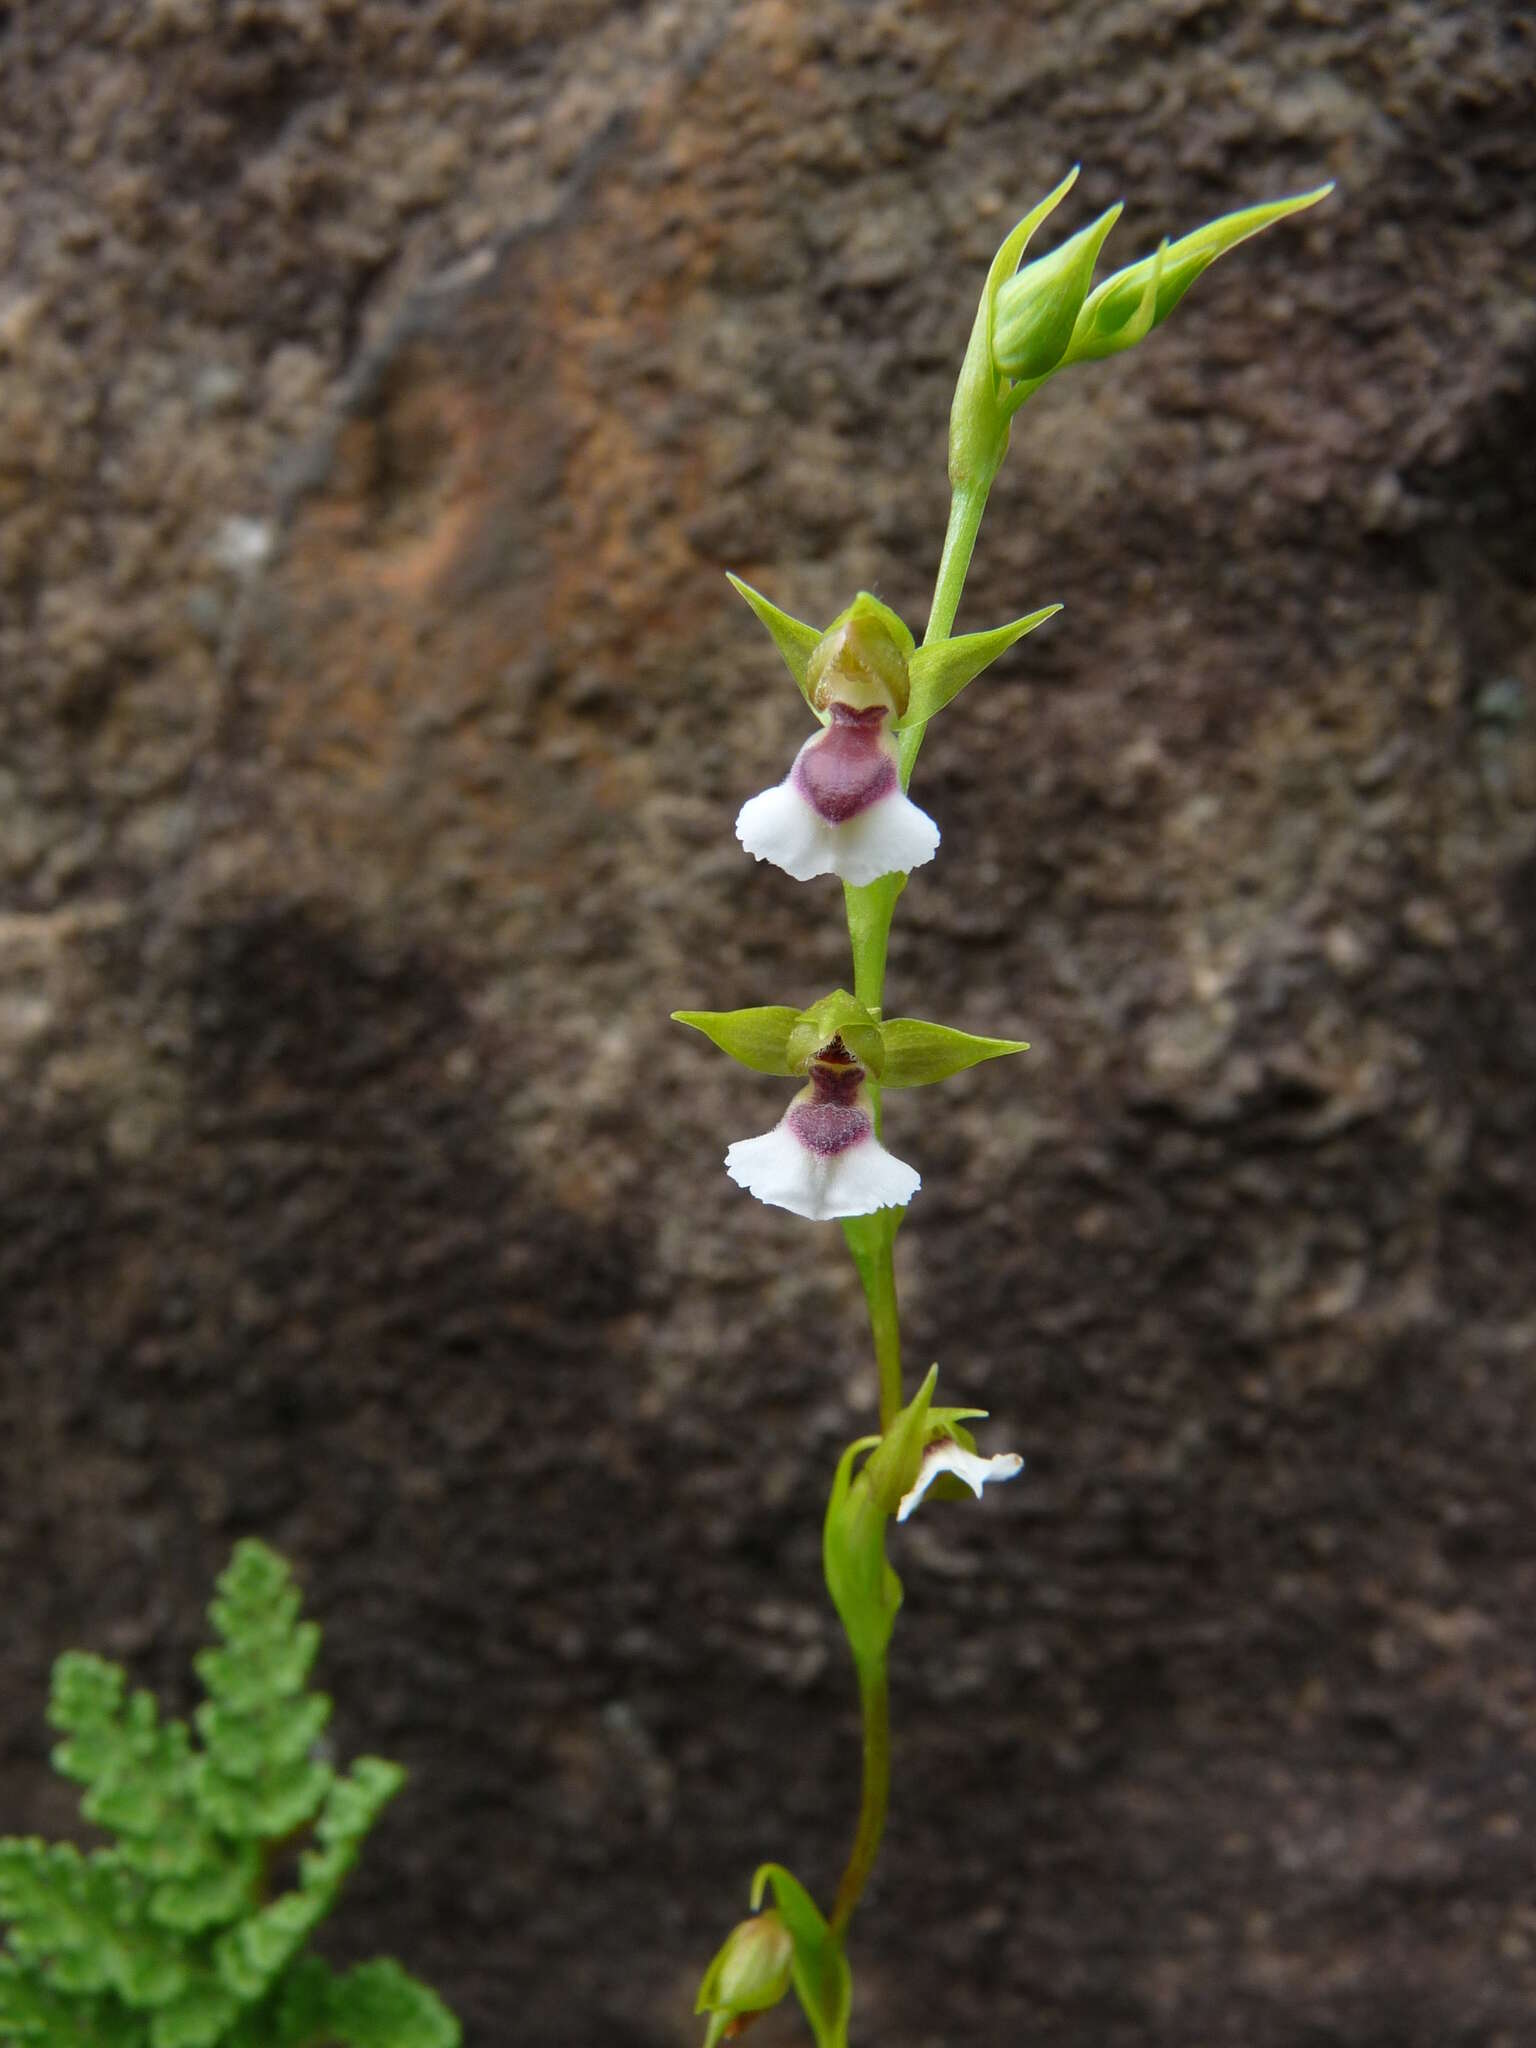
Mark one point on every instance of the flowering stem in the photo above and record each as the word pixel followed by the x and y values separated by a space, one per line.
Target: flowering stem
pixel 965 509
pixel 874 1702
pixel 870 1240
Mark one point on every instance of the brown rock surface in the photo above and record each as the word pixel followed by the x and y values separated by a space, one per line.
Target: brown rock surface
pixel 383 390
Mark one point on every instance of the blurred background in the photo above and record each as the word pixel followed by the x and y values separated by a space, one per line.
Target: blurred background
pixel 384 390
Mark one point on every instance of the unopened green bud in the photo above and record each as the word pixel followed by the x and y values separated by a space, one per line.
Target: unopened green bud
pixel 750 1974
pixel 1035 311
pixel 1131 302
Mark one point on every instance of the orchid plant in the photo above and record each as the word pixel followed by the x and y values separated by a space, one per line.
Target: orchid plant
pixel 844 810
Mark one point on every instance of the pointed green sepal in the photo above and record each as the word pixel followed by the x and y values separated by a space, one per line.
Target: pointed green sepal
pixel 917 1053
pixel 1133 301
pixel 758 1038
pixel 1036 310
pixel 823 1982
pixel 794 639
pixel 978 420
pixel 941 670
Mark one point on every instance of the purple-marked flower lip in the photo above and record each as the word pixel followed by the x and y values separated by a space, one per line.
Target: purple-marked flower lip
pixel 822 1159
pixel 846 768
pixel 841 809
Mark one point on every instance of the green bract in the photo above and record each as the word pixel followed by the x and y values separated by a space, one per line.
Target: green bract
pixel 979 420
pixel 865 1590
pixel 934 675
pixel 170 1939
pixel 902 1052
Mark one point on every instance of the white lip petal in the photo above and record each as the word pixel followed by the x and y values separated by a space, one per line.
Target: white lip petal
pixel 780 826
pixel 948 1456
pixel 889 836
pixel 784 1173
pixel 866 1177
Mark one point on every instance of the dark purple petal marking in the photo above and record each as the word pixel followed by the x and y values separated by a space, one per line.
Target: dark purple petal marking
pixel 827 1128
pixel 851 766
pixel 832 1120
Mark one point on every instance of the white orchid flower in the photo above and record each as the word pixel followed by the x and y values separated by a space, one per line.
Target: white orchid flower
pixel 945 1455
pixel 822 1159
pixel 841 810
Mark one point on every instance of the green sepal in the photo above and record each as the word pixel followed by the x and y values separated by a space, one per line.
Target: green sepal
pixel 978 419
pixel 823 1982
pixel 941 670
pixel 1133 301
pixel 757 1038
pixel 778 1040
pixel 1035 311
pixel 794 639
pixel 917 1053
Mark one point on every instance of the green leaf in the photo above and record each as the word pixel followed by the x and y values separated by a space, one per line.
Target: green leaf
pixel 757 1038
pixel 917 1053
pixel 31 2012
pixel 1035 311
pixel 213 1898
pixel 266 1808
pixel 1132 301
pixel 822 1979
pixel 793 637
pixel 941 670
pixel 64 1911
pixel 199 2018
pixel 378 2005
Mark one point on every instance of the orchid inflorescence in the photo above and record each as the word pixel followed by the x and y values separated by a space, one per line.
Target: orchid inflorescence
pixel 843 809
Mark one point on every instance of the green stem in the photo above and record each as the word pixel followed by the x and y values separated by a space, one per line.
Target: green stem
pixel 871 1240
pixel 965 510
pixel 875 1704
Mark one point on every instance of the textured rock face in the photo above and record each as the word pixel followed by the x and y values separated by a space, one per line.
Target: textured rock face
pixel 383 390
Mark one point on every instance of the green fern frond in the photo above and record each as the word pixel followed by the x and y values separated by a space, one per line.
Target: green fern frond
pixel 167 1940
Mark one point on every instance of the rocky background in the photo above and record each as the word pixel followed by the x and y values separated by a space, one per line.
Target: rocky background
pixel 384 389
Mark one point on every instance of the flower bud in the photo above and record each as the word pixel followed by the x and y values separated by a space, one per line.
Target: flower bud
pixel 1035 311
pixel 750 1974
